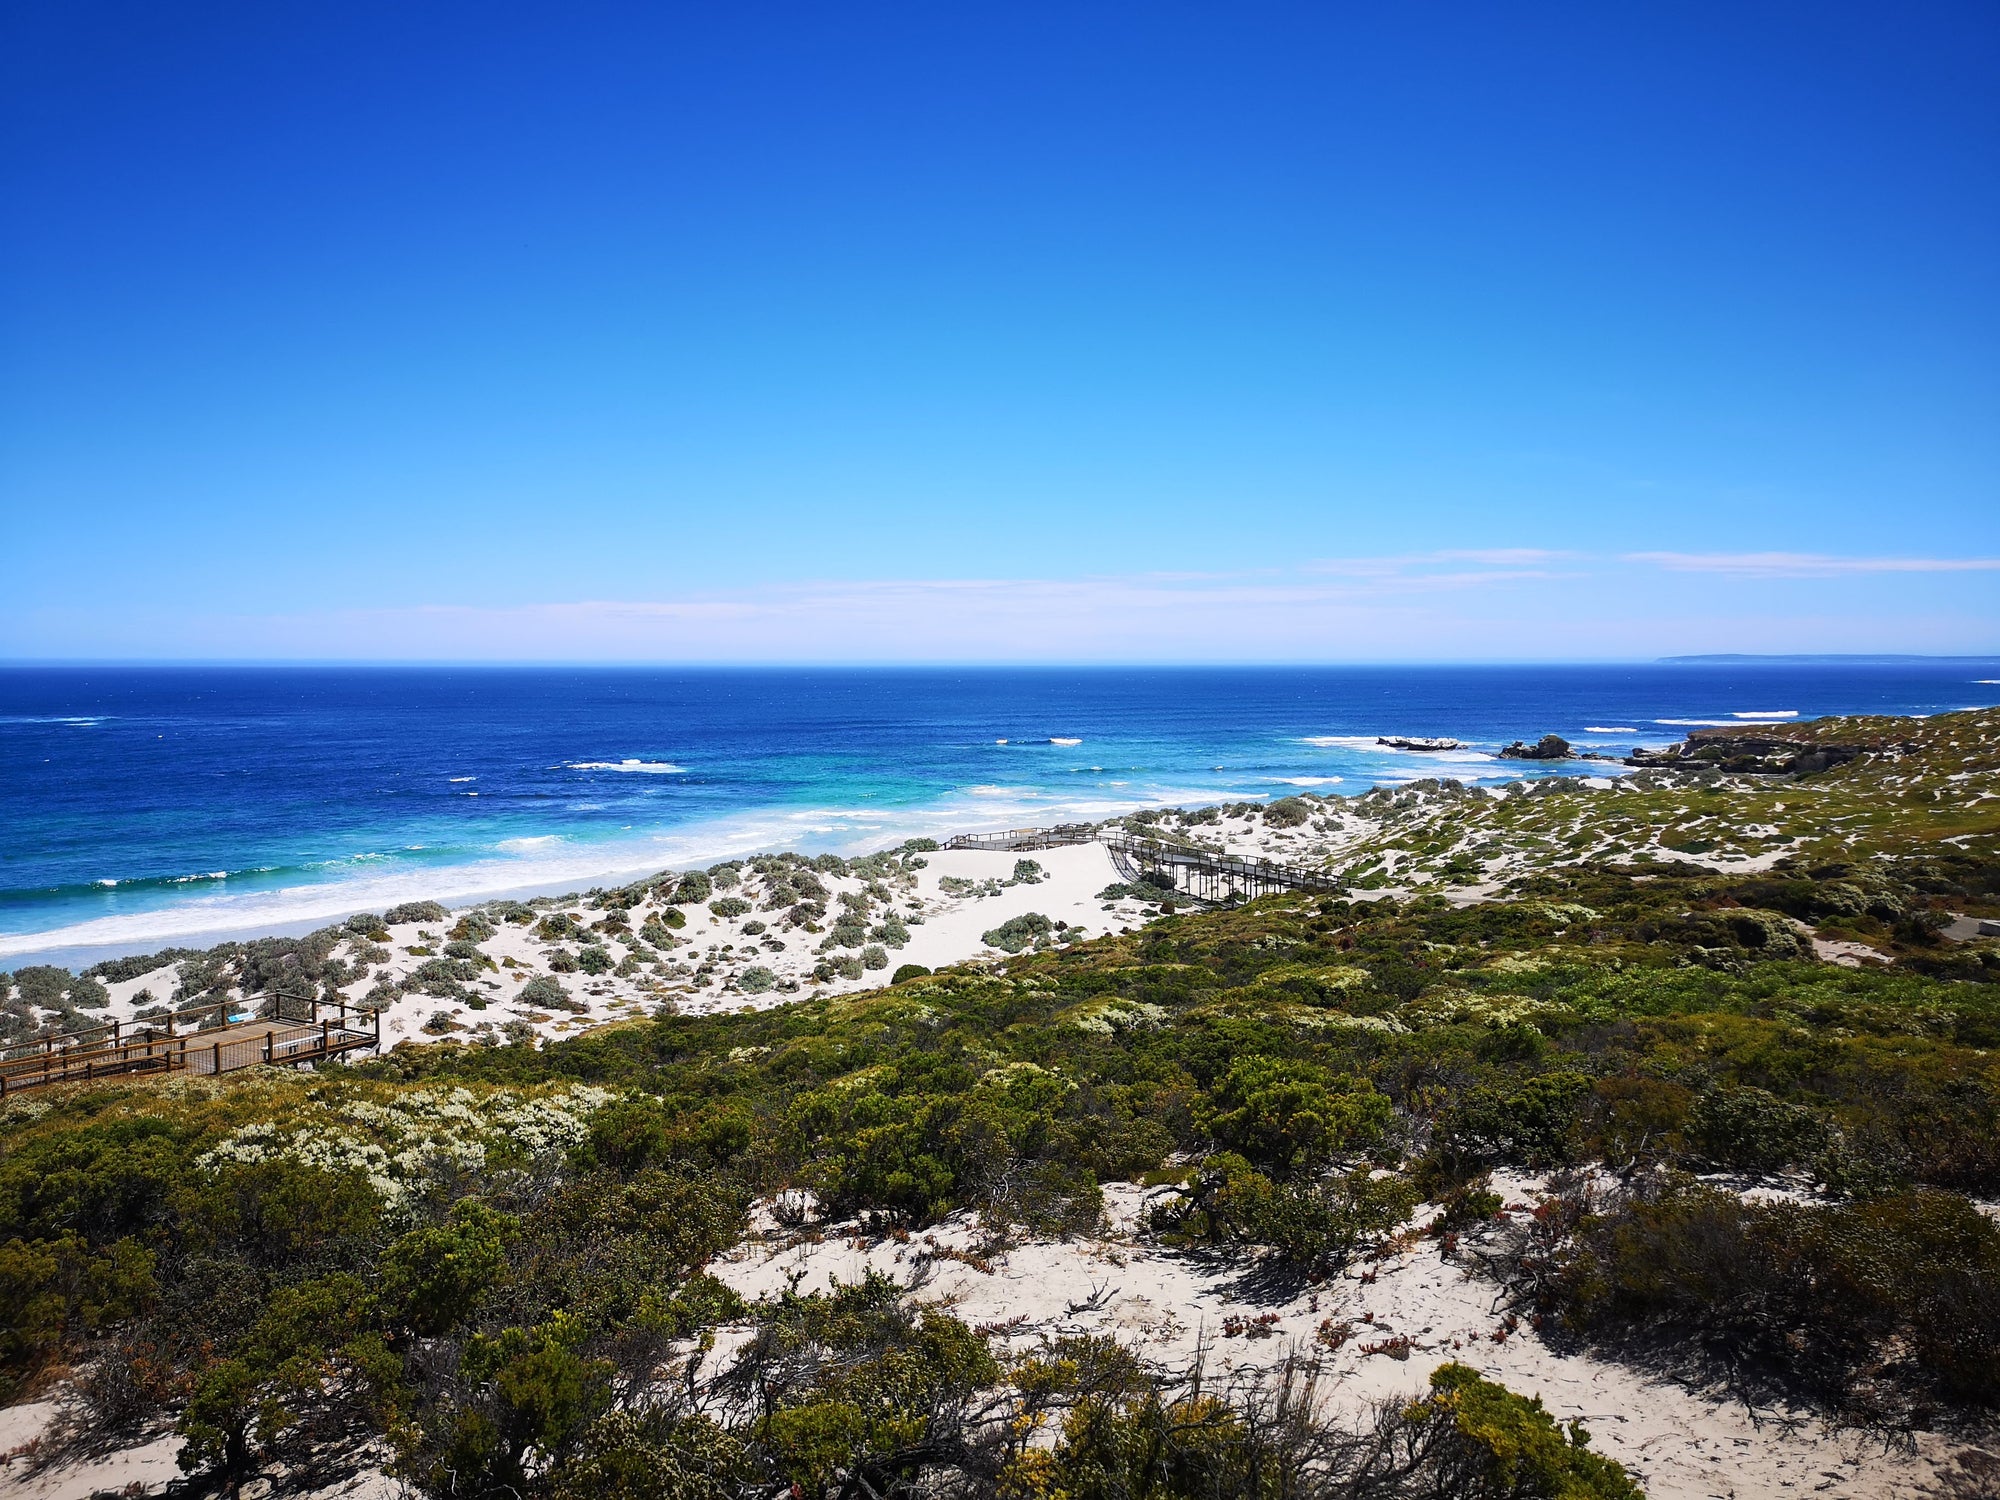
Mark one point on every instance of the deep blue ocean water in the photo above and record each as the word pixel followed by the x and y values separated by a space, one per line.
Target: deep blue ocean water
pixel 142 806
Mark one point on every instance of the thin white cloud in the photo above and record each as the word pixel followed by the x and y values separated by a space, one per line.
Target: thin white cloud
pixel 1502 556
pixel 1807 564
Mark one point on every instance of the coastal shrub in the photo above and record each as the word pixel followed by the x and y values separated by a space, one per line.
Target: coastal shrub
pixel 725 875
pixel 457 948
pixel 692 889
pixel 730 906
pixel 1532 1124
pixel 473 927
pixel 659 934
pixel 118 970
pixel 890 932
pixel 755 929
pixel 1477 1439
pixel 756 980
pixel 546 993
pixel 1288 812
pixel 593 959
pixel 1287 1116
pixel 847 935
pixel 1027 872
pixel 562 961
pixel 415 911
pixel 674 919
pixel 1316 1225
pixel 908 971
pixel 847 967
pixel 874 956
pixel 1017 934
pixel 1811 1299
pixel 556 925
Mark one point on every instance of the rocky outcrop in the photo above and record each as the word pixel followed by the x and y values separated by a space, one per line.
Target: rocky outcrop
pixel 1548 747
pixel 1795 750
pixel 1398 742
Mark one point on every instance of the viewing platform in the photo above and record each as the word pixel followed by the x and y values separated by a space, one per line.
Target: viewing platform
pixel 217 1038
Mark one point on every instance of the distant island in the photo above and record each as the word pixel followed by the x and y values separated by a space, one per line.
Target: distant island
pixel 1808 659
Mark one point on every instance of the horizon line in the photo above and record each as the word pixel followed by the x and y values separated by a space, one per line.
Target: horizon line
pixel 982 663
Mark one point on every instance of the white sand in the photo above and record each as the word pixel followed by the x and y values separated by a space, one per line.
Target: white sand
pixel 944 929
pixel 1168 1305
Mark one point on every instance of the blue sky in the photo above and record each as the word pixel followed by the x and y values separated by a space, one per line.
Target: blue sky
pixel 1059 332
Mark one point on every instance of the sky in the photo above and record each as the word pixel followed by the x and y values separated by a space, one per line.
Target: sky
pixel 998 332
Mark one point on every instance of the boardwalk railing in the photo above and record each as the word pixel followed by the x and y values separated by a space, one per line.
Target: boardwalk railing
pixel 1199 874
pixel 1027 838
pixel 208 1039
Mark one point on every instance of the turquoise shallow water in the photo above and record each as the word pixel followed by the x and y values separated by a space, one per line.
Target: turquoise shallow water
pixel 143 806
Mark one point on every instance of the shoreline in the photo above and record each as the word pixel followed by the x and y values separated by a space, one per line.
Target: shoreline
pixel 218 916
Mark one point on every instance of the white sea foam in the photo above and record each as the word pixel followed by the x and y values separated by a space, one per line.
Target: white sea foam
pixel 1609 729
pixel 1307 780
pixel 649 767
pixel 456 779
pixel 1058 740
pixel 525 844
pixel 1702 723
pixel 1767 713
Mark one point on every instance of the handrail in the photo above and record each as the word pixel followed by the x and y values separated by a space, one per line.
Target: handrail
pixel 221 1049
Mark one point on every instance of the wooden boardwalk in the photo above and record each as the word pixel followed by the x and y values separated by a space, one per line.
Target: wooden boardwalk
pixel 1197 874
pixel 213 1039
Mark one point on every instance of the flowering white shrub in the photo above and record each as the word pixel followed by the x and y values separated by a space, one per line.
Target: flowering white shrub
pixel 398 1143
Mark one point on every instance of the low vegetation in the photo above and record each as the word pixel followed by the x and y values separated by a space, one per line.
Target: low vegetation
pixel 485 1266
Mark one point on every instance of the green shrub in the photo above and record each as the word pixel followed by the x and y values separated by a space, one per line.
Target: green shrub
pixel 908 971
pixel 594 959
pixel 756 980
pixel 415 911
pixel 692 889
pixel 1289 1116
pixel 546 993
pixel 1493 1443
pixel 730 906
pixel 874 956
pixel 1288 812
pixel 1811 1299
pixel 433 1278
pixel 1017 934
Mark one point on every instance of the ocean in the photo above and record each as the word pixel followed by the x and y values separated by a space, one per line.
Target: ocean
pixel 147 806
